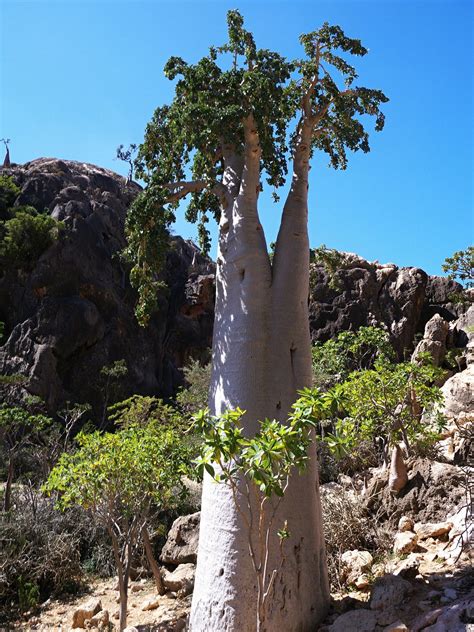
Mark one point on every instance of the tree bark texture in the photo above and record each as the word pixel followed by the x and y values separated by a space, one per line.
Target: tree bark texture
pixel 261 357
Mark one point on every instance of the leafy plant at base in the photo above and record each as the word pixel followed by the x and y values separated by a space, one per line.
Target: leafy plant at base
pixel 257 469
pixel 123 480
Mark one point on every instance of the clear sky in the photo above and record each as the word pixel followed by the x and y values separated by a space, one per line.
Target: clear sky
pixel 77 78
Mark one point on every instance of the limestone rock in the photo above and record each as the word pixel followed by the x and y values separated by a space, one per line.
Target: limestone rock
pixel 72 313
pixel 389 591
pixel 182 543
pixel 100 620
pixel 458 394
pixel 405 524
pixel 86 611
pixel 434 340
pixel 398 626
pixel 355 562
pixel 356 621
pixel 152 603
pixel 181 578
pixel 432 530
pixel 405 542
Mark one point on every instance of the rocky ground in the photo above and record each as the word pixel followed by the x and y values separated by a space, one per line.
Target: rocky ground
pixel 422 581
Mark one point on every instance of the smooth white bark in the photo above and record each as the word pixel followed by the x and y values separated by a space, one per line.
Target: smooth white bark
pixel 261 357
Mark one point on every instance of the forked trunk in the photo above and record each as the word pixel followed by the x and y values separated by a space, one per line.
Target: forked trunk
pixel 261 357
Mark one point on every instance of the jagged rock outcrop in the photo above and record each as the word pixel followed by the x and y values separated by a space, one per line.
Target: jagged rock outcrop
pixel 366 293
pixel 73 313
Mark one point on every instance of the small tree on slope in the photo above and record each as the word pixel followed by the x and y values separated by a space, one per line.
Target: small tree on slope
pixel 227 129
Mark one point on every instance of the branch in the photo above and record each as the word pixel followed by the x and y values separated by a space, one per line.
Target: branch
pixel 183 188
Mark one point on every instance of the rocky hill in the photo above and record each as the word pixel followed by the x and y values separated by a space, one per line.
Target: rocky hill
pixel 71 314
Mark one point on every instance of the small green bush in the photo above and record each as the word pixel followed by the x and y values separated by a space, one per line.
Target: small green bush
pixel 26 236
pixel 8 194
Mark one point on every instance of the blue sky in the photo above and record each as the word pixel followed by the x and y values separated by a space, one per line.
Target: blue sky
pixel 79 78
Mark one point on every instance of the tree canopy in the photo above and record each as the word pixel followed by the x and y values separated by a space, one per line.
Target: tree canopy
pixel 236 84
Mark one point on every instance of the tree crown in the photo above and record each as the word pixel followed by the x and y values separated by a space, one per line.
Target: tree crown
pixel 214 98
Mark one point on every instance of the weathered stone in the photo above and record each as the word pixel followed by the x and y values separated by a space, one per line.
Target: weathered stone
pixel 85 611
pixel 356 621
pixel 100 620
pixel 73 312
pixel 362 582
pixel 434 340
pixel 183 537
pixel 398 626
pixel 152 603
pixel 389 591
pixel 405 542
pixel 432 529
pixel 180 578
pixel 405 524
pixel 355 562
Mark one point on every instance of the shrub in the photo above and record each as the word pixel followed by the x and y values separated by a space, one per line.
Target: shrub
pixel 44 551
pixel 8 194
pixel 195 395
pixel 122 480
pixel 346 527
pixel 349 351
pixel 26 236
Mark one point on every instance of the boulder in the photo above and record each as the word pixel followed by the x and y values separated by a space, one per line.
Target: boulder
pixel 389 591
pixel 181 578
pixel 405 524
pixel 434 340
pixel 100 620
pixel 85 611
pixel 458 394
pixel 356 621
pixel 432 529
pixel 355 562
pixel 182 542
pixel 405 542
pixel 152 603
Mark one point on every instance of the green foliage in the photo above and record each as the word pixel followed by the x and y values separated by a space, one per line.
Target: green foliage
pixel 460 266
pixel 145 411
pixel 9 191
pixel 211 102
pixel 349 351
pixel 194 396
pixel 126 155
pixel 28 594
pixel 332 261
pixel 26 236
pixel 121 474
pixel 385 404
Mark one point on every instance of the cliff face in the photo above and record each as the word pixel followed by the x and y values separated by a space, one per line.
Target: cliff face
pixel 400 299
pixel 72 314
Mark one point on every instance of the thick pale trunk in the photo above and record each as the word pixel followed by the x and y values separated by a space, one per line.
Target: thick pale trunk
pixel 261 357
